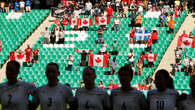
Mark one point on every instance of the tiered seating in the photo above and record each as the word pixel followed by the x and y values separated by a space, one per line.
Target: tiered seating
pixel 14 31
pixel 59 55
pixel 180 80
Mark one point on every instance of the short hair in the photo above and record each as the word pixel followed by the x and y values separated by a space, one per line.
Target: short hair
pixel 15 63
pixel 164 72
pixel 55 64
pixel 126 69
pixel 87 69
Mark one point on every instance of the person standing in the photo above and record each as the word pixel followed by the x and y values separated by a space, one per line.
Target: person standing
pixel 22 5
pixel 35 55
pixel 70 63
pixel 14 94
pixel 127 97
pixel 116 24
pixel 28 52
pixel 28 5
pixel 91 97
pixel 113 65
pixel 46 35
pixel 53 95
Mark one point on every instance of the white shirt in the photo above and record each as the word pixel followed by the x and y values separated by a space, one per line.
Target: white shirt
pixel 22 4
pixel 47 34
pixel 88 6
pixel 116 21
pixel 186 61
pixel 132 57
pixel 77 12
pixel 70 61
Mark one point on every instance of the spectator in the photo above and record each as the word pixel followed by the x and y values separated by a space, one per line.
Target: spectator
pixel 28 52
pixel 133 18
pixel 2 6
pixel 35 55
pixel 46 35
pixel 115 48
pixel 100 85
pixel 111 85
pixel 178 51
pixel 70 63
pixel 149 82
pixel 126 10
pixel 53 37
pixel 100 36
pixel 138 20
pixel 139 67
pixel 151 60
pixel 142 57
pixel 131 58
pixel 162 19
pixel 154 36
pixel 133 7
pixel 190 67
pixel 109 11
pixel 149 44
pixel 88 7
pixel 16 5
pixel 186 64
pixel 116 24
pixel 22 5
pixel 113 65
pixel 103 48
pixel 171 23
pixel 131 36
pixel 28 5
pixel 84 55
pixel 61 37
pixel 178 63
pixel 7 6
pixel 0 46
pixel 117 5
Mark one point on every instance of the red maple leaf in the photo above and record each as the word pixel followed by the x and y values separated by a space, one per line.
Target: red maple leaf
pixel 102 20
pixel 98 60
pixel 85 22
pixel 186 42
pixel 74 21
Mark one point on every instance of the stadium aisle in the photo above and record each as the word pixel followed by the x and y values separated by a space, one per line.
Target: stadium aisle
pixel 30 41
pixel 169 56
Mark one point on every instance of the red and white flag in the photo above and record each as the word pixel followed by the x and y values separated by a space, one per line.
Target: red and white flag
pixel 16 56
pixel 81 50
pixel 86 22
pixel 102 20
pixel 67 3
pixel 188 43
pixel 65 22
pixel 151 57
pixel 56 21
pixel 73 21
pixel 176 14
pixel 98 60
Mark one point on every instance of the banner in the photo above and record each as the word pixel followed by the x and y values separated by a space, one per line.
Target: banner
pixel 98 60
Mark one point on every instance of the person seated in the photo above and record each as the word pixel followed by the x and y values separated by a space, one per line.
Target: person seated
pixel 154 35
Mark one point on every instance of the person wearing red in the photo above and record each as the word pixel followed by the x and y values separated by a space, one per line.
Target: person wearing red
pixel 132 35
pixel 20 57
pixel 28 52
pixel 184 35
pixel 154 36
pixel 109 11
pixel 100 85
pixel 111 85
pixel 35 55
pixel 149 43
pixel 139 67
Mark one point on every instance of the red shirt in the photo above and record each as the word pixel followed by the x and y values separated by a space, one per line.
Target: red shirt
pixel 111 86
pixel 109 11
pixel 117 85
pixel 132 34
pixel 35 52
pixel 149 42
pixel 28 51
pixel 155 36
pixel 101 86
pixel 142 57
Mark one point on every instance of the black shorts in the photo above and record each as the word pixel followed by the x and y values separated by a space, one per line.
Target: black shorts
pixel 35 58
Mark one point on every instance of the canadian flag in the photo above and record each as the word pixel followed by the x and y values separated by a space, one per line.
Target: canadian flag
pixel 16 56
pixel 188 43
pixel 151 57
pixel 81 50
pixel 56 21
pixel 102 20
pixel 176 14
pixel 86 22
pixel 98 60
pixel 67 3
pixel 65 22
pixel 73 21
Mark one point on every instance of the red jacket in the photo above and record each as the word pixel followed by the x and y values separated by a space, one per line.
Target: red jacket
pixel 110 11
pixel 155 36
